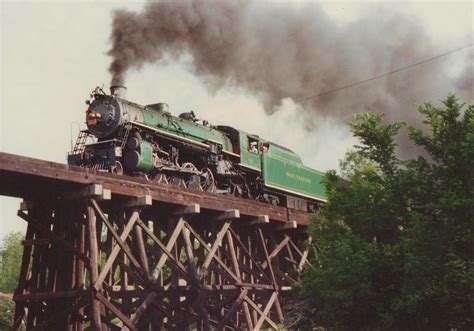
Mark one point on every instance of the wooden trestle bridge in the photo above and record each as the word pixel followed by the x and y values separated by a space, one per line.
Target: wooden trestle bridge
pixel 107 252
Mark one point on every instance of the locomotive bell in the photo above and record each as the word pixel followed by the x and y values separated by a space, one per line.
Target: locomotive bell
pixel 118 91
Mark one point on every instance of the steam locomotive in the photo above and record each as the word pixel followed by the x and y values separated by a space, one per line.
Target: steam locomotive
pixel 123 137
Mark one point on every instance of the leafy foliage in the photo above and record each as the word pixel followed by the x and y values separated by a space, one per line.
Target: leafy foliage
pixel 10 261
pixel 7 312
pixel 395 247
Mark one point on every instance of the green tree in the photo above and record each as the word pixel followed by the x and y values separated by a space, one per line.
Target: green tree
pixel 7 312
pixel 10 261
pixel 395 247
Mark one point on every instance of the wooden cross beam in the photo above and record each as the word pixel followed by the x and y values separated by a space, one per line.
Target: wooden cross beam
pixel 141 201
pixel 257 220
pixel 93 190
pixel 285 226
pixel 186 210
pixel 227 215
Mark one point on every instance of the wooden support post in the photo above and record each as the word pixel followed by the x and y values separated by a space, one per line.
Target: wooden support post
pixel 141 248
pixel 304 257
pixel 25 262
pixel 266 311
pixel 94 256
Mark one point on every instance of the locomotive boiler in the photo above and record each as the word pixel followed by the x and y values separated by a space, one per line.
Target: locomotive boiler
pixel 125 138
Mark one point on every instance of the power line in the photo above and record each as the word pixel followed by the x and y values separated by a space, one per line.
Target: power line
pixel 385 74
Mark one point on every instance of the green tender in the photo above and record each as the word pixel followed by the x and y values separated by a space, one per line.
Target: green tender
pixel 283 170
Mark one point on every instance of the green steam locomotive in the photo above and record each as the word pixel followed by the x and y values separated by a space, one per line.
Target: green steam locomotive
pixel 147 141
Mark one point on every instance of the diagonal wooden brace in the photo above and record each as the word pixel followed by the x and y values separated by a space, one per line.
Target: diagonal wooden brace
pixel 120 245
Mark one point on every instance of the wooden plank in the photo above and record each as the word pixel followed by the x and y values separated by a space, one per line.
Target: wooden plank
pixel 106 195
pixel 49 295
pixel 264 315
pixel 141 248
pixel 232 310
pixel 167 249
pixel 265 251
pixel 186 234
pixel 258 310
pixel 163 249
pixel 285 226
pixel 25 263
pixel 277 250
pixel 141 201
pixel 249 255
pixel 116 311
pixel 227 215
pixel 305 256
pixel 186 210
pixel 229 272
pixel 214 248
pixel 257 220
pixel 93 190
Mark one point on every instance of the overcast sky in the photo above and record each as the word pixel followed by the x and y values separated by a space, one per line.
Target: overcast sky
pixel 54 53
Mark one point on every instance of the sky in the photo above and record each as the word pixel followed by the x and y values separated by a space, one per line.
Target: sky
pixel 54 53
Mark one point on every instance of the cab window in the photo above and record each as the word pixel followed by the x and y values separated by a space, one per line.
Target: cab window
pixel 265 147
pixel 253 146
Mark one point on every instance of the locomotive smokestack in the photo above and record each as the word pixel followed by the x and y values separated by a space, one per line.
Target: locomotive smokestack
pixel 118 91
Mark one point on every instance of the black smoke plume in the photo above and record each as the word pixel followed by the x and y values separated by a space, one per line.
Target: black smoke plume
pixel 278 50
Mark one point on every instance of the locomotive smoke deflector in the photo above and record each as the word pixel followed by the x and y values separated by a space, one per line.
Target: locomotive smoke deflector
pixel 118 91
